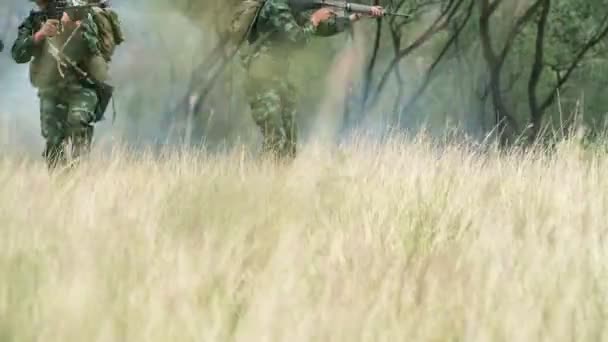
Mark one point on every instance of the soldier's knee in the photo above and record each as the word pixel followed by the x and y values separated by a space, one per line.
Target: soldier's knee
pixel 50 118
pixel 54 139
pixel 260 116
pixel 79 127
pixel 266 107
pixel 48 106
pixel 77 118
pixel 52 130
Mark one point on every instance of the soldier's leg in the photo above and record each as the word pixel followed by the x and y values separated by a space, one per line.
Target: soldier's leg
pixel 53 126
pixel 288 116
pixel 80 117
pixel 265 102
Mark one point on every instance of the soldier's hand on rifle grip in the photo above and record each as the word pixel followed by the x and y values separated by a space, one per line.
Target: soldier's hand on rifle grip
pixel 321 15
pixel 49 29
pixel 377 11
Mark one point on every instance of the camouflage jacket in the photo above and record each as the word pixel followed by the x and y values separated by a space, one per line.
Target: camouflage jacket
pixel 81 45
pixel 279 30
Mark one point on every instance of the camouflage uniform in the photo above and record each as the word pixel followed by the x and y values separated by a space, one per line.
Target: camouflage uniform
pixel 67 105
pixel 271 96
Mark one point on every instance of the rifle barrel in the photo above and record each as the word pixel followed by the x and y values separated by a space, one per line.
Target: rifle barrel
pixel 396 14
pixel 355 7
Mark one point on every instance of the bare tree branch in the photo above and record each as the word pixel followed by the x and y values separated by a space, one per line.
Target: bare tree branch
pixel 438 24
pixel 430 73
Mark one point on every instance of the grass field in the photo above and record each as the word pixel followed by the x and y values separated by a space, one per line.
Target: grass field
pixel 392 242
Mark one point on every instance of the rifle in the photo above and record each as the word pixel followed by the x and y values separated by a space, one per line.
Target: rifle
pixel 350 7
pixel 104 91
pixel 56 8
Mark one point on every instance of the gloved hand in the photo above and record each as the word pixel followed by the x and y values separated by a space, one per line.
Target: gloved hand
pixel 321 15
pixel 49 29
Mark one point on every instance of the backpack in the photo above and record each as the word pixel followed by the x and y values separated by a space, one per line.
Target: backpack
pixel 243 21
pixel 109 36
pixel 110 33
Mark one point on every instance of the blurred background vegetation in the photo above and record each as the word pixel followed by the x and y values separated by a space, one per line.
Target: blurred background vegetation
pixel 522 68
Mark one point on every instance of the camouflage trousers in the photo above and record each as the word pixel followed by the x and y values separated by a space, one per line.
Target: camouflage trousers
pixel 66 116
pixel 273 108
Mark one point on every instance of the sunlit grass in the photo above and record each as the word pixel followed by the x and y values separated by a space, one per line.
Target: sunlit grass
pixel 394 242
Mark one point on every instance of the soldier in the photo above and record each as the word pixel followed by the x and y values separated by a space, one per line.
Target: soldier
pixel 271 97
pixel 67 105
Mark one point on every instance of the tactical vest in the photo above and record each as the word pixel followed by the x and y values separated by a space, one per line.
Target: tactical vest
pixel 44 71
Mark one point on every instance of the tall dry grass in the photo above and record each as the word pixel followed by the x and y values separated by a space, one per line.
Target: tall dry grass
pixel 394 242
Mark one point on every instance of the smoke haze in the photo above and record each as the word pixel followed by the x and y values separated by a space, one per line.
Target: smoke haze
pixel 154 70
